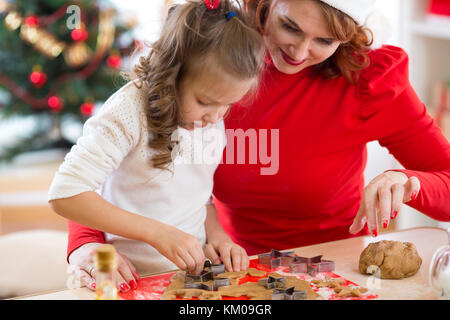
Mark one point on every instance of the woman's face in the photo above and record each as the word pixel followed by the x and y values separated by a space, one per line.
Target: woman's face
pixel 297 35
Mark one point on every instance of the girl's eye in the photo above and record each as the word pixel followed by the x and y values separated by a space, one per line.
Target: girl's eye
pixel 202 103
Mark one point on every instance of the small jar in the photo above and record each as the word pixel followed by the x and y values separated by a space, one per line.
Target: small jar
pixel 105 267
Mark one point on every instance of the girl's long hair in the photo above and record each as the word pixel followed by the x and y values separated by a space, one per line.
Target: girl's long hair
pixel 190 33
pixel 350 57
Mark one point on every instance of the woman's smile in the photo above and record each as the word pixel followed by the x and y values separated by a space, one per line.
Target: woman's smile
pixel 289 60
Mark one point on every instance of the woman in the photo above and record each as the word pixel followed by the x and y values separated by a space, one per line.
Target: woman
pixel 328 94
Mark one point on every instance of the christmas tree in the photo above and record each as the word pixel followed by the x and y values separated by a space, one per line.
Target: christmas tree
pixel 57 60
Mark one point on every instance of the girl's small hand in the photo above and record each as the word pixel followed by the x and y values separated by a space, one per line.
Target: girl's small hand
pixel 386 194
pixel 181 248
pixel 82 258
pixel 233 256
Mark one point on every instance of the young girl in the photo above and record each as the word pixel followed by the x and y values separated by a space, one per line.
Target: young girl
pixel 122 178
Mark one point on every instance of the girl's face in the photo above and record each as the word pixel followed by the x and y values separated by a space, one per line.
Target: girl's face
pixel 297 35
pixel 205 97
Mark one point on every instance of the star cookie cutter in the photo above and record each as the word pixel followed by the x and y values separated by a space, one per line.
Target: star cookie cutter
pixel 288 294
pixel 275 258
pixel 214 268
pixel 273 282
pixel 312 266
pixel 207 279
pixel 280 292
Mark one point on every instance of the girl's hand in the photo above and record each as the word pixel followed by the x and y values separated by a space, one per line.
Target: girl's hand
pixel 233 256
pixel 82 258
pixel 385 194
pixel 180 247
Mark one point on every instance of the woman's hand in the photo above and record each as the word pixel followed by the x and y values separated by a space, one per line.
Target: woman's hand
pixel 82 258
pixel 221 249
pixel 385 194
pixel 179 247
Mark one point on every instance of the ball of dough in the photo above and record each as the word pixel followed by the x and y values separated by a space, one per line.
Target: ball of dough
pixel 390 259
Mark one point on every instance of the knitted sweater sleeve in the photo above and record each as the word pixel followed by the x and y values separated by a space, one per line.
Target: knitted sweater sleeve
pixel 107 138
pixel 395 116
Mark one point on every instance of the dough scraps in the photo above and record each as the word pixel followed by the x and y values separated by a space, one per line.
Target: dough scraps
pixel 342 291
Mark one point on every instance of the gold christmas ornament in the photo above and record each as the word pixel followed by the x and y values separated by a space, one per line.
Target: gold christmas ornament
pixel 29 34
pixel 77 54
pixel 106 28
pixel 42 40
pixel 13 20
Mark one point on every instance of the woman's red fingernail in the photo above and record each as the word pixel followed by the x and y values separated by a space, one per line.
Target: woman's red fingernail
pixel 133 284
pixel 394 214
pixel 385 223
pixel 93 285
pixel 413 195
pixel 124 287
pixel 374 232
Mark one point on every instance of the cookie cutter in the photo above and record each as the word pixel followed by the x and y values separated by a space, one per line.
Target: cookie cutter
pixel 214 268
pixel 273 282
pixel 207 279
pixel 202 277
pixel 312 266
pixel 298 265
pixel 275 258
pixel 208 286
pixel 288 294
pixel 280 292
pixel 316 264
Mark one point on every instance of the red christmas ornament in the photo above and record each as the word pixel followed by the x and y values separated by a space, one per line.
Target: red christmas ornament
pixel 38 78
pixel 80 34
pixel 32 21
pixel 114 61
pixel 87 109
pixel 55 103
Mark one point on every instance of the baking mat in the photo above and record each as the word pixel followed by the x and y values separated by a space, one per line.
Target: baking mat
pixel 152 288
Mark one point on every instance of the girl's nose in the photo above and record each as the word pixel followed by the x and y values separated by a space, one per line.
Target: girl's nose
pixel 213 117
pixel 216 115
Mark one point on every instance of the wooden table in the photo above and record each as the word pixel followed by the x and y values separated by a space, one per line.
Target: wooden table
pixel 346 255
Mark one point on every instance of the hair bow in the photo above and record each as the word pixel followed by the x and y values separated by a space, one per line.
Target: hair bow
pixel 212 4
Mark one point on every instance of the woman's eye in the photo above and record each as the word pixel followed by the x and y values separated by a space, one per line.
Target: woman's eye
pixel 327 42
pixel 202 103
pixel 288 27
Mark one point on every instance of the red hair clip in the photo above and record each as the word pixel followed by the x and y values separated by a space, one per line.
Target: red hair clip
pixel 212 4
